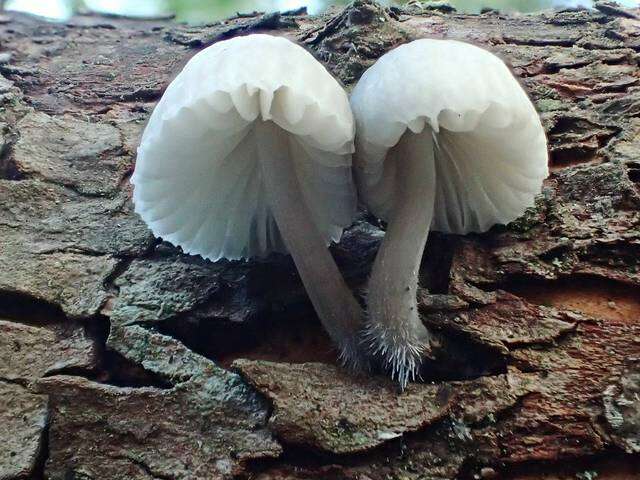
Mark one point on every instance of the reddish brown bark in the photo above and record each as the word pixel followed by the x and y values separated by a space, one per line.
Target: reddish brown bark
pixel 123 358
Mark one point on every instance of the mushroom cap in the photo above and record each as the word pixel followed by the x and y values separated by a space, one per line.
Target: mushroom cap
pixel 198 182
pixel 490 147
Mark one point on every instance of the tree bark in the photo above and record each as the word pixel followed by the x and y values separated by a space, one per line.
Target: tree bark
pixel 122 358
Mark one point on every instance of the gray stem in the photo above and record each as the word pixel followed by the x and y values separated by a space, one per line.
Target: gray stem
pixel 395 329
pixel 334 303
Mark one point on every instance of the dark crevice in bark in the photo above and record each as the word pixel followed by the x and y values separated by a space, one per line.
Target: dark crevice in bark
pixel 571 157
pixel 23 308
pixel 456 356
pixel 576 65
pixel 277 336
pixel 109 282
pixel 8 170
pixel 633 171
pixel 539 42
pixel 268 21
pixel 142 95
pixel 145 468
pixel 113 368
pixel 118 371
pixel 21 382
pixel 71 249
pixel 43 455
pixel 301 456
pixel 125 261
pixel 300 338
pixel 126 177
pixel 436 262
pixel 72 187
pixel 611 463
pixel 613 9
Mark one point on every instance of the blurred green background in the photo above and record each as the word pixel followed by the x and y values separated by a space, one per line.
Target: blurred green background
pixel 204 11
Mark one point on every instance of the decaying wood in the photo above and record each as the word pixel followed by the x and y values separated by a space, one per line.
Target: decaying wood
pixel 121 358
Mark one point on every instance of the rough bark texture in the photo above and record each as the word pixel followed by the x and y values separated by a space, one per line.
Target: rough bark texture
pixel 121 358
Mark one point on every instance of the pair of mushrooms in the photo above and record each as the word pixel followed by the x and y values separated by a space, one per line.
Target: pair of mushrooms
pixel 249 151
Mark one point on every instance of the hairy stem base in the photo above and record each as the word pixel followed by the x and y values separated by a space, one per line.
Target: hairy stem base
pixel 395 332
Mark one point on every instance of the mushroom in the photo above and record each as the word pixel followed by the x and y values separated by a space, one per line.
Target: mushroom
pixel 248 152
pixel 446 140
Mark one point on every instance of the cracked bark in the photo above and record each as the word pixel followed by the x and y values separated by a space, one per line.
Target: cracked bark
pixel 123 358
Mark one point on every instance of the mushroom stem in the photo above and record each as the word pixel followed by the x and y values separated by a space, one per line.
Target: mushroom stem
pixel 340 313
pixel 394 329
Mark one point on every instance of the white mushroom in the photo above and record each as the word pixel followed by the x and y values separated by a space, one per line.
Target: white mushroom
pixel 446 140
pixel 249 152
